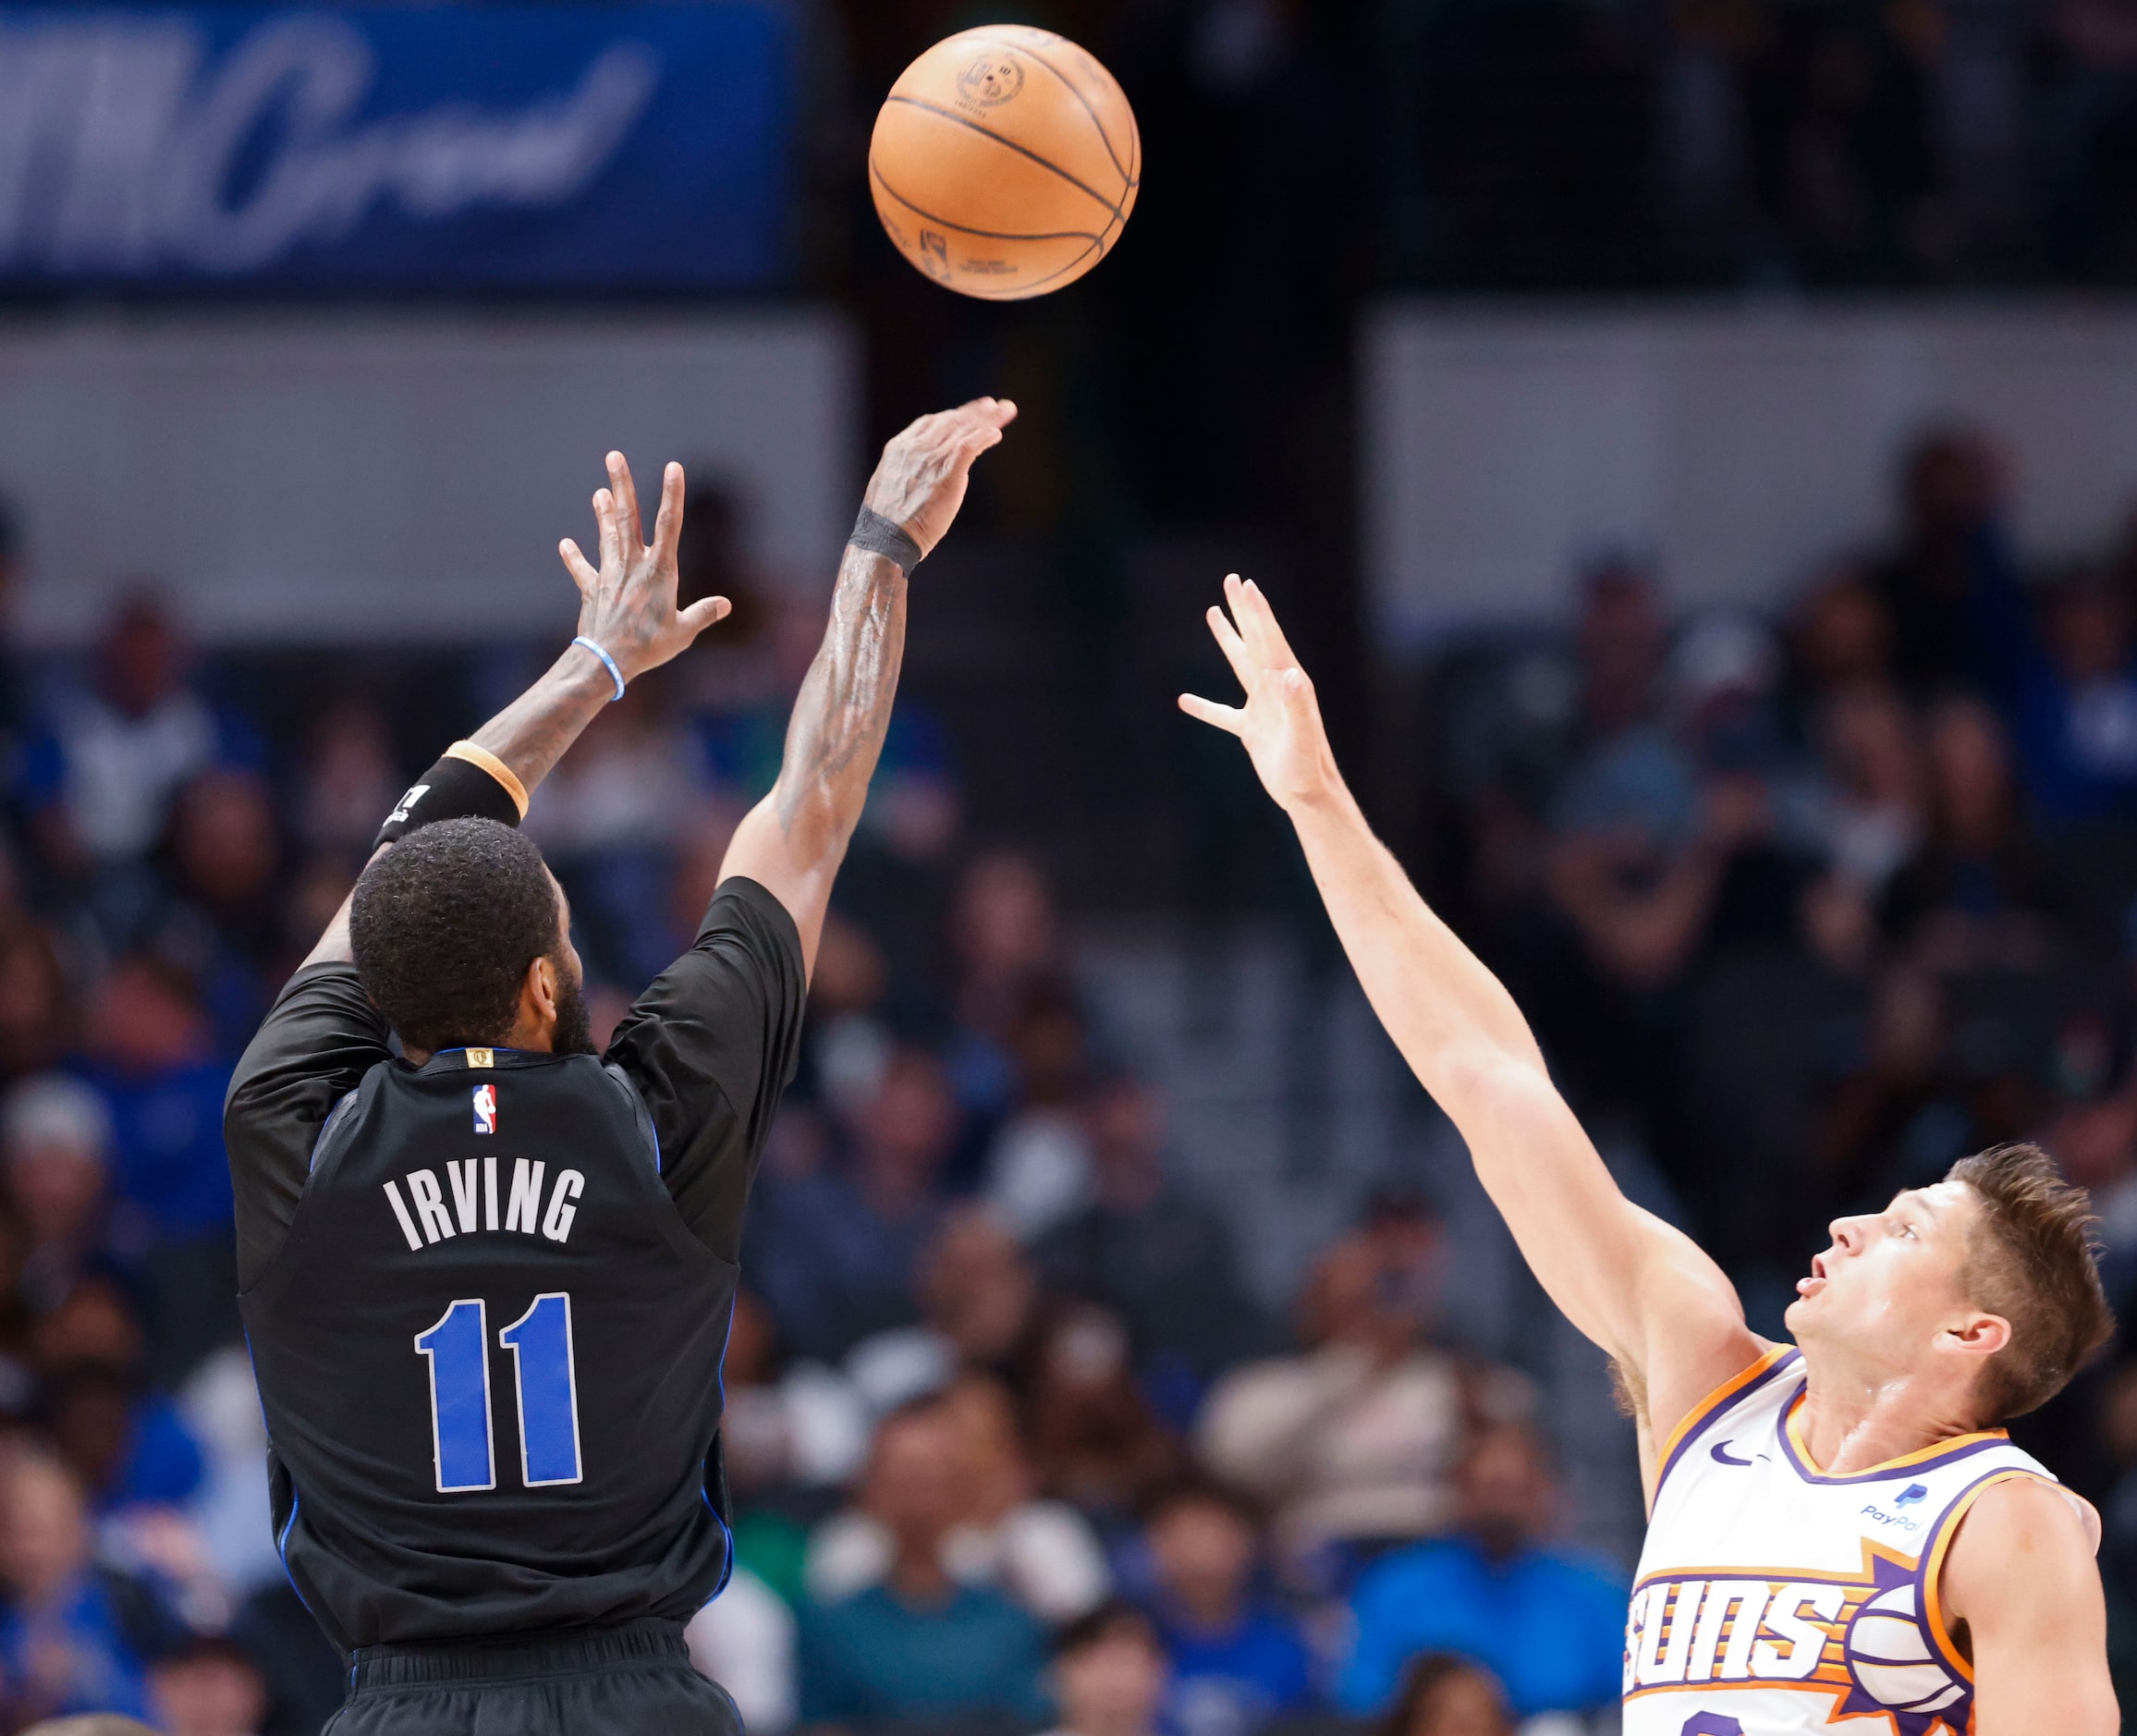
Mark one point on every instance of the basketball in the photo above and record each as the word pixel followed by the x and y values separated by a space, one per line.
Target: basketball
pixel 1005 163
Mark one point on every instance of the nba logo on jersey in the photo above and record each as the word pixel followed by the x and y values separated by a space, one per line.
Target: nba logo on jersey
pixel 485 1108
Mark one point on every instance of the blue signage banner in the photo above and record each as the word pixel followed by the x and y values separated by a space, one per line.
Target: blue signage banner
pixel 357 148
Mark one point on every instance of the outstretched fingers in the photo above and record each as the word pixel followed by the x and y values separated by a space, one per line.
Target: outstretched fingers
pixel 1258 625
pixel 607 519
pixel 704 613
pixel 583 572
pixel 971 443
pixel 1228 718
pixel 1234 648
pixel 668 525
pixel 626 503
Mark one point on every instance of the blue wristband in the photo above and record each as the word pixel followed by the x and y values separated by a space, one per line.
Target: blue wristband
pixel 607 663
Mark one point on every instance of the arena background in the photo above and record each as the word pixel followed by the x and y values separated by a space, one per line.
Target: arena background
pixel 1694 446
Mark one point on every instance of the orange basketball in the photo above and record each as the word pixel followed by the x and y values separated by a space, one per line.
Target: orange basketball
pixel 1005 162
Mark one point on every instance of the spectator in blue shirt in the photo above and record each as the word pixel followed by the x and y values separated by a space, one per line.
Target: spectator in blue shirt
pixel 63 1649
pixel 919 1647
pixel 126 1450
pixel 99 776
pixel 151 1052
pixel 2074 709
pixel 2065 677
pixel 1549 1624
pixel 1237 1660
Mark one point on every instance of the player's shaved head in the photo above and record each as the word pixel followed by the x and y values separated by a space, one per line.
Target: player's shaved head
pixel 2032 1260
pixel 443 927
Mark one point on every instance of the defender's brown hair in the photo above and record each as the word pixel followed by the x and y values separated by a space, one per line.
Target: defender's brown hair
pixel 2033 1262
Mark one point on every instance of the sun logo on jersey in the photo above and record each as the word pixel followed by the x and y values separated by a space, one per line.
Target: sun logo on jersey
pixel 1893 1665
pixel 1860 1638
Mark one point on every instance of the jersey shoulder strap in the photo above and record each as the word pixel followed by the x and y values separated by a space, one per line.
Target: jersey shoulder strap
pixel 1763 1383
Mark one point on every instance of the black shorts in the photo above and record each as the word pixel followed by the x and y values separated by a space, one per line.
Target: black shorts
pixel 635 1677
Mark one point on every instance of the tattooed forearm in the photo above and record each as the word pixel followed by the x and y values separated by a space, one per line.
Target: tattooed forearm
pixel 844 708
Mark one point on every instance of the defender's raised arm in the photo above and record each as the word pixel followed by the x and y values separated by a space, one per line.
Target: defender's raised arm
pixel 1638 1288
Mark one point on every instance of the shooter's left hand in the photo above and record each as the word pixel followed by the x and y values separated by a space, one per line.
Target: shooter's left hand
pixel 628 606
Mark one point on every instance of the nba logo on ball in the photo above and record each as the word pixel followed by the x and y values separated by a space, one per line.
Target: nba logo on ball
pixel 485 1108
pixel 990 81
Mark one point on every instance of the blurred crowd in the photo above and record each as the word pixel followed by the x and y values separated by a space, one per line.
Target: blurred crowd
pixel 1803 907
pixel 1743 142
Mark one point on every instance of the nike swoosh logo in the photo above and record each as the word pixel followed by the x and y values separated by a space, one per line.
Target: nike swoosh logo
pixel 1722 1456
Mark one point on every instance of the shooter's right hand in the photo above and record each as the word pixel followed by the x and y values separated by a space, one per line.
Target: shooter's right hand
pixel 920 483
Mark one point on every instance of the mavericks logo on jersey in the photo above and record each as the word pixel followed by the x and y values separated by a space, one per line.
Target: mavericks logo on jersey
pixel 1857 1637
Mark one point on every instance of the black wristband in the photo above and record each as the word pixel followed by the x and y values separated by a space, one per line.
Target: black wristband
pixel 468 783
pixel 878 535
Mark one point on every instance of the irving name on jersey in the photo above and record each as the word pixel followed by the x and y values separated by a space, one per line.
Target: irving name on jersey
pixel 474 1184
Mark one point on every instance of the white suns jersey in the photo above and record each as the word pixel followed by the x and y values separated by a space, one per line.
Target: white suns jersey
pixel 1774 1600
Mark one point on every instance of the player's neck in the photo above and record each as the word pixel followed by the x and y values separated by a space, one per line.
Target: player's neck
pixel 1852 1420
pixel 529 1034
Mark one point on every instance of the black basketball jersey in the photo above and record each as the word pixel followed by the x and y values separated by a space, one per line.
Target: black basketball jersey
pixel 489 1351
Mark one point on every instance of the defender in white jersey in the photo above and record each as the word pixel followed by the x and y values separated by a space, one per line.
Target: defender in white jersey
pixel 1773 1596
pixel 1841 1538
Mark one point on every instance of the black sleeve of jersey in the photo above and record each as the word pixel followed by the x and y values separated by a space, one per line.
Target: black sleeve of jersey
pixel 711 1046
pixel 317 1042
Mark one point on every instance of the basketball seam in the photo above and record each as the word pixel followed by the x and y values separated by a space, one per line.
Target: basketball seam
pixel 1009 144
pixel 1038 284
pixel 966 228
pixel 1103 139
pixel 1022 289
pixel 1112 224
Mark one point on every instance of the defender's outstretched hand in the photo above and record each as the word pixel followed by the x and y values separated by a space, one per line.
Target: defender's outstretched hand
pixel 1281 723
pixel 628 606
pixel 920 483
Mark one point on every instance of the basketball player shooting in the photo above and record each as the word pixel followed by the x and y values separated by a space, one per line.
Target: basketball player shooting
pixel 487 1284
pixel 1838 1529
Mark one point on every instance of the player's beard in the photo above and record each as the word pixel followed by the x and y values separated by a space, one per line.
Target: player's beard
pixel 574 1032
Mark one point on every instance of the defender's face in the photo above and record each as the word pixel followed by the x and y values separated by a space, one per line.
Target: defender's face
pixel 1892 1280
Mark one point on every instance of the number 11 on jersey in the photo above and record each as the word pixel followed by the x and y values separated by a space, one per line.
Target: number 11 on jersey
pixel 545 1374
pixel 540 1341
